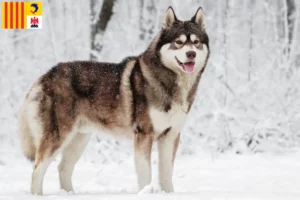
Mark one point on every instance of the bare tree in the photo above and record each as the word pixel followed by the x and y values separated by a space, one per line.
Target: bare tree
pixel 147 24
pixel 251 39
pixel 290 20
pixel 99 25
pixel 225 42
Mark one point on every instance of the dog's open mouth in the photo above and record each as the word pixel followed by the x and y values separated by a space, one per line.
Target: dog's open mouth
pixel 187 66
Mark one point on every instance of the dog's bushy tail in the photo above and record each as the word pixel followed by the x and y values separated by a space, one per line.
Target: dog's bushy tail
pixel 26 138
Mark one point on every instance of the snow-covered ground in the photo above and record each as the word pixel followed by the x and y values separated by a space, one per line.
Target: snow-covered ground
pixel 248 100
pixel 202 176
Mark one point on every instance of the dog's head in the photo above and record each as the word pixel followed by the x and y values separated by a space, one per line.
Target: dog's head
pixel 183 45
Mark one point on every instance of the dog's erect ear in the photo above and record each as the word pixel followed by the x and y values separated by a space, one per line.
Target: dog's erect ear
pixel 170 18
pixel 198 18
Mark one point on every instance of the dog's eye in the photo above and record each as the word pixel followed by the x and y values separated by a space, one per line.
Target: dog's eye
pixel 179 42
pixel 196 42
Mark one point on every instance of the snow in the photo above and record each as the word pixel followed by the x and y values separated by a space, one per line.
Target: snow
pixel 248 93
pixel 242 137
pixel 201 176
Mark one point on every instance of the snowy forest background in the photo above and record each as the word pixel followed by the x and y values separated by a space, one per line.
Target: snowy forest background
pixel 248 100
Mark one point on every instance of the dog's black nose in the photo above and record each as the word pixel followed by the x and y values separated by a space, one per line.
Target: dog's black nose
pixel 191 54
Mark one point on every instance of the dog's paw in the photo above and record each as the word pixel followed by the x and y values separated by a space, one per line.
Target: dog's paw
pixel 151 188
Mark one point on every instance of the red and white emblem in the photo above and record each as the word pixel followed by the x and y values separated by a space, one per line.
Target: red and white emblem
pixel 34 22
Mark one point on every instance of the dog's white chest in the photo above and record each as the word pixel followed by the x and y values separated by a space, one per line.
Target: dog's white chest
pixel 174 118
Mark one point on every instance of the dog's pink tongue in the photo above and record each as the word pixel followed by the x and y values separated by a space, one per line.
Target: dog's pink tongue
pixel 189 66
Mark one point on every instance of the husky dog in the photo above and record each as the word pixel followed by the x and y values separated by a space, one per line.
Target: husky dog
pixel 145 98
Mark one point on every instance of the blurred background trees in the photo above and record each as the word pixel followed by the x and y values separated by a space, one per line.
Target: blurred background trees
pixel 248 99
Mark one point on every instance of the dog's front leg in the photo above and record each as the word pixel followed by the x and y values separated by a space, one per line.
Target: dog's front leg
pixel 142 148
pixel 167 147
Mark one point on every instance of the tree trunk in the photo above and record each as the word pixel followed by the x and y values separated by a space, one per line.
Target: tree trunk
pixel 290 19
pixel 146 21
pixel 225 42
pixel 99 26
pixel 250 40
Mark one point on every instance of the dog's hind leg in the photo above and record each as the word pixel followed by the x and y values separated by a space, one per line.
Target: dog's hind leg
pixel 38 176
pixel 48 149
pixel 167 147
pixel 42 161
pixel 70 156
pixel 142 149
